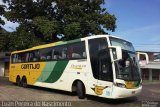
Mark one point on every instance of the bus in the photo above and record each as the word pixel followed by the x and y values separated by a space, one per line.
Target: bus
pixel 101 65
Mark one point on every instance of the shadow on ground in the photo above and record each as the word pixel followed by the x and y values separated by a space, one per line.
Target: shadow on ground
pixel 112 101
pixel 89 97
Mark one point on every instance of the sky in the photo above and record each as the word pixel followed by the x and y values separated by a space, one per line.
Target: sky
pixel 138 21
pixel 9 26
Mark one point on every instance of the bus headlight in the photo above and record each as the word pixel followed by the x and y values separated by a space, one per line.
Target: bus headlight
pixel 120 85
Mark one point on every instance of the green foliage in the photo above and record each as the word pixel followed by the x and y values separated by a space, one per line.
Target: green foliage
pixel 20 39
pixel 45 26
pixel 1 13
pixel 43 20
pixel 72 30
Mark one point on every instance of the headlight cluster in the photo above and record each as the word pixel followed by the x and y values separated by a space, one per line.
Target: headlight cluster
pixel 120 85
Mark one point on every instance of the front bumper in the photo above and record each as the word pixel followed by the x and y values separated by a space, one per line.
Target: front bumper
pixel 124 93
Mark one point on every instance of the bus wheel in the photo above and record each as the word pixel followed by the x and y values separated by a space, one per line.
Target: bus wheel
pixel 18 81
pixel 80 90
pixel 24 82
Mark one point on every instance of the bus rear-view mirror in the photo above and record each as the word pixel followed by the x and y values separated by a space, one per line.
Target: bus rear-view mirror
pixel 117 52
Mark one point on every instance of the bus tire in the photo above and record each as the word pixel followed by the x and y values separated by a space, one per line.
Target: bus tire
pixel 18 81
pixel 80 90
pixel 24 82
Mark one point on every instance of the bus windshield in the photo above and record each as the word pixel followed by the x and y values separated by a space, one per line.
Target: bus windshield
pixel 127 68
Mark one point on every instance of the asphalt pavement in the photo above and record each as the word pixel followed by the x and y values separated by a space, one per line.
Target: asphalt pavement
pixel 12 95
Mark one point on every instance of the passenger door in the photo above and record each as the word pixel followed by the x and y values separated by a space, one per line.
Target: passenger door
pixel 101 66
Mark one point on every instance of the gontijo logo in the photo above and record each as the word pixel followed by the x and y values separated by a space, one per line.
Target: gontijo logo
pixel 80 67
pixel 30 66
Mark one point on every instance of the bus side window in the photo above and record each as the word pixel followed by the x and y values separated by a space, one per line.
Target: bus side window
pixel 45 54
pixel 26 57
pixel 34 56
pixel 30 57
pixel 53 54
pixel 64 53
pixel 13 58
pixel 23 57
pixel 59 52
pixel 69 53
pixel 16 58
pixel 77 50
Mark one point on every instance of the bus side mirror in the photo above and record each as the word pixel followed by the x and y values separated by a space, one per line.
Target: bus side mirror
pixel 117 52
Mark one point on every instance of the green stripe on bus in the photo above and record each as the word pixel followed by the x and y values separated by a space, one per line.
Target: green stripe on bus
pixel 47 71
pixel 57 71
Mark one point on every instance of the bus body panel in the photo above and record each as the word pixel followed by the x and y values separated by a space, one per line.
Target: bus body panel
pixel 25 69
pixel 61 74
pixel 74 70
pixel 124 93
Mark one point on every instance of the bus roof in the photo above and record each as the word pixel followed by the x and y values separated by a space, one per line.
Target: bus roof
pixel 62 43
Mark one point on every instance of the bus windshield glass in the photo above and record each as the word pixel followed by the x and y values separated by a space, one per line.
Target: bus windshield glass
pixel 125 45
pixel 127 68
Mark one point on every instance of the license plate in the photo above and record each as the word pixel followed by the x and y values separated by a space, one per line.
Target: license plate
pixel 133 92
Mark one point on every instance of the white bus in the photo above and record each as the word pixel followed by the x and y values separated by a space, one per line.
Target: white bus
pixel 102 65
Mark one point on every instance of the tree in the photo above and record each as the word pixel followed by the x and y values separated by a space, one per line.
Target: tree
pixel 20 39
pixel 72 19
pixel 1 13
pixel 87 15
pixel 2 31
